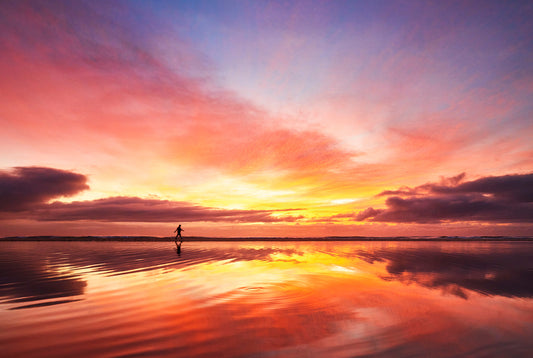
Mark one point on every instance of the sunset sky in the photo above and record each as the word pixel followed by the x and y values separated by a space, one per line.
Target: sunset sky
pixel 266 118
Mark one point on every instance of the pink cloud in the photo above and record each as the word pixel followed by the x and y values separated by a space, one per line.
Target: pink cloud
pixel 111 95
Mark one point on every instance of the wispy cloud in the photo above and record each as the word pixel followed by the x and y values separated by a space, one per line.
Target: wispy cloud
pixel 119 95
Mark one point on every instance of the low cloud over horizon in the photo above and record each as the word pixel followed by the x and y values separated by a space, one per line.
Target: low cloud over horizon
pixel 32 193
pixel 24 187
pixel 25 192
pixel 498 199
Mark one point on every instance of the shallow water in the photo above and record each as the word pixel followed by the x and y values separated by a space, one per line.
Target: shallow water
pixel 266 299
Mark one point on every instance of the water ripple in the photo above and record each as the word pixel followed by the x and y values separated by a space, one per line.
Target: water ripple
pixel 275 299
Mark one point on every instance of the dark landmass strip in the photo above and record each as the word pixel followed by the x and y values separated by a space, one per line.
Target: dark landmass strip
pixel 327 238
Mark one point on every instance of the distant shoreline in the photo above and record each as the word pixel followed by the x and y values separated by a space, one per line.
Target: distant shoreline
pixel 243 239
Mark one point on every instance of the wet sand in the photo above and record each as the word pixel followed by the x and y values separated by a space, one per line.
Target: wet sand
pixel 256 299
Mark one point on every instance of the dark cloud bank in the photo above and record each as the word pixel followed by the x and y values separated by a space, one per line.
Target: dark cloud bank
pixel 24 187
pixel 498 199
pixel 26 191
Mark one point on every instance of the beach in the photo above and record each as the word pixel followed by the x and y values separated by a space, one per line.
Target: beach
pixel 257 299
pixel 259 179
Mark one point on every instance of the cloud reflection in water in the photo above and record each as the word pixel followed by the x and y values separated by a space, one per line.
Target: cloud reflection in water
pixel 292 299
pixel 506 273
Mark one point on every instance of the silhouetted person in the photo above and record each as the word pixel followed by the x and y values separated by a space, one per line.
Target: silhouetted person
pixel 178 235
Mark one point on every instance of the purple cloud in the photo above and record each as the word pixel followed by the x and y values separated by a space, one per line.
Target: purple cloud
pixel 367 213
pixel 24 187
pixel 505 199
pixel 511 187
pixel 505 273
pixel 134 209
pixel 26 192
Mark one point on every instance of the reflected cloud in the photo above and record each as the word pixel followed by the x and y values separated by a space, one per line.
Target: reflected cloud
pixel 36 274
pixel 112 258
pixel 505 273
pixel 44 304
pixel 27 276
pixel 277 298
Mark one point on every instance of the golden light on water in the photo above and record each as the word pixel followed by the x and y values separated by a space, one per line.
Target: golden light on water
pixel 279 298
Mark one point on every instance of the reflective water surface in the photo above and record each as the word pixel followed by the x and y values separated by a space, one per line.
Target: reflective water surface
pixel 266 299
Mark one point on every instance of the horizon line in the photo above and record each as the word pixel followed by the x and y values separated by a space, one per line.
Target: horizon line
pixel 148 238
